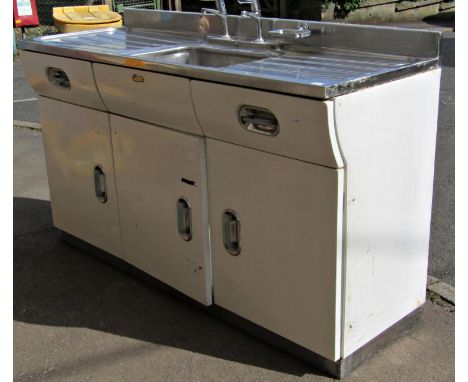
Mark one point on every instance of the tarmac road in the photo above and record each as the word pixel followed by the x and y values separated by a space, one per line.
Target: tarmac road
pixel 442 245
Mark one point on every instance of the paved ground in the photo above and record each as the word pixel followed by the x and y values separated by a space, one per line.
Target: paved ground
pixel 77 318
pixel 24 98
pixel 442 245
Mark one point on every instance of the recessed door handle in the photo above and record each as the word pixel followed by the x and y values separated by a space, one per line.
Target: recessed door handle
pixel 231 232
pixel 100 184
pixel 258 120
pixel 184 219
pixel 138 78
pixel 58 77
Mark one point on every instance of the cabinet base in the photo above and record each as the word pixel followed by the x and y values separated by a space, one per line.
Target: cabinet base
pixel 338 369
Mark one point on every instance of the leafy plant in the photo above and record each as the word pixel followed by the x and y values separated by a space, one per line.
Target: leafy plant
pixel 348 5
pixel 343 7
pixel 432 296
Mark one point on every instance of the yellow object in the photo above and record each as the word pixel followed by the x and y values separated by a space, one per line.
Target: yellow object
pixel 74 19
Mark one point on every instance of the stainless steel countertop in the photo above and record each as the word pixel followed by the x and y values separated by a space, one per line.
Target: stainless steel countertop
pixel 305 68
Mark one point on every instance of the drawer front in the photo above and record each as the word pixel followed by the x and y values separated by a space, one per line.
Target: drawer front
pixel 290 126
pixel 64 79
pixel 156 98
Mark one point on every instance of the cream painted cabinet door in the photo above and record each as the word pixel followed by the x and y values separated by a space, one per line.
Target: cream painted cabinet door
pixel 78 151
pixel 276 243
pixel 161 186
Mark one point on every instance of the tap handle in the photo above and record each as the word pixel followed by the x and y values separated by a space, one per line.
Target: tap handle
pixel 221 6
pixel 255 5
pixel 209 11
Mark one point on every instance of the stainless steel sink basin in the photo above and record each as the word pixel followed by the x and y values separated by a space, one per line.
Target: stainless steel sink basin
pixel 201 56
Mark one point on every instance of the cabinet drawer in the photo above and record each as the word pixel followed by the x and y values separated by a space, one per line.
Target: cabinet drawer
pixel 156 98
pixel 304 127
pixel 62 78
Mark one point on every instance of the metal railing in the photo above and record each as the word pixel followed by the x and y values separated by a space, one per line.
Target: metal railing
pixel 119 5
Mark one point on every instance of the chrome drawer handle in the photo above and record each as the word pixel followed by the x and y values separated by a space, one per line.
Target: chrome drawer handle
pixel 138 78
pixel 184 219
pixel 100 184
pixel 231 232
pixel 58 77
pixel 258 120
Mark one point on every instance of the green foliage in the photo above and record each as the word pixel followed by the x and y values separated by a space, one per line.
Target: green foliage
pixel 343 7
pixel 348 5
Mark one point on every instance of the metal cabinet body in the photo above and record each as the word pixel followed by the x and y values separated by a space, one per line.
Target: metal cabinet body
pixel 308 225
pixel 78 153
pixel 387 134
pixel 160 173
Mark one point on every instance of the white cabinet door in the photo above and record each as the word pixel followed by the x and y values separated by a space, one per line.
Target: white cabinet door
pixel 161 185
pixel 279 264
pixel 80 169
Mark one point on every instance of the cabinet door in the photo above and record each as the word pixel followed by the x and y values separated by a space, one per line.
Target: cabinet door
pixel 161 185
pixel 80 169
pixel 276 243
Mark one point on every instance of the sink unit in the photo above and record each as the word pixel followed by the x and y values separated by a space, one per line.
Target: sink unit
pixel 283 185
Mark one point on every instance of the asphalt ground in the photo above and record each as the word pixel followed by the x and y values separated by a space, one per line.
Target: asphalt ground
pixel 442 244
pixel 24 97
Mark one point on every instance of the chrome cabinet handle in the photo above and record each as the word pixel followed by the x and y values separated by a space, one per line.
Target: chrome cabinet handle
pixel 58 77
pixel 258 120
pixel 184 219
pixel 100 184
pixel 138 78
pixel 231 232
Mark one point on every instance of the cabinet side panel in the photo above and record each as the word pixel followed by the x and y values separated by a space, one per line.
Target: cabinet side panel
pixel 285 276
pixel 387 136
pixel 76 140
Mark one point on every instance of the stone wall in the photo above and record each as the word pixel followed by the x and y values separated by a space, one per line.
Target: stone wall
pixel 391 10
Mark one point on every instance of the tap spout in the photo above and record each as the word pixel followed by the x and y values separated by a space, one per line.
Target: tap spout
pixel 221 13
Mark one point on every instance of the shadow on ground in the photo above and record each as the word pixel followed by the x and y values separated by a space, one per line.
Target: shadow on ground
pixel 443 19
pixel 59 285
pixel 447 51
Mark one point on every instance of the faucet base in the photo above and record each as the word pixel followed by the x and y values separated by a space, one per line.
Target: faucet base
pixel 243 42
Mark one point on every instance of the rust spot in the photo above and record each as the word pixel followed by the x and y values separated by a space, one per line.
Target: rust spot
pixel 134 63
